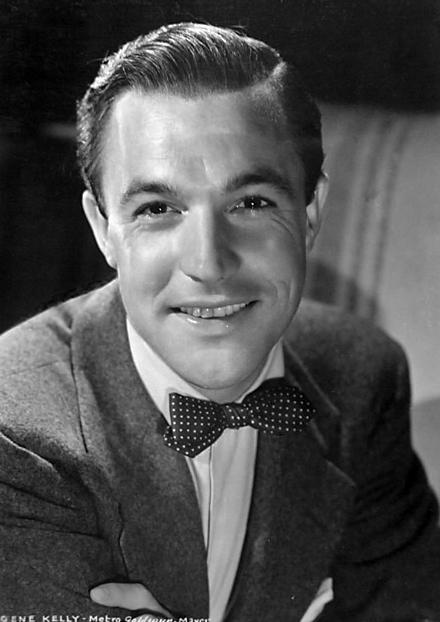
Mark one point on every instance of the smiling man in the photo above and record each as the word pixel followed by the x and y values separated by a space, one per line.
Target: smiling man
pixel 184 441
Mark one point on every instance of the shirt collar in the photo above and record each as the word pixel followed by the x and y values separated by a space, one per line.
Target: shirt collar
pixel 160 380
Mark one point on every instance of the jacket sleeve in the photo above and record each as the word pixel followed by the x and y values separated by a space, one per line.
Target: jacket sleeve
pixel 388 565
pixel 52 548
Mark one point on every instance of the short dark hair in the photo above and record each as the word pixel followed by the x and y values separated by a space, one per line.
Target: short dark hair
pixel 190 59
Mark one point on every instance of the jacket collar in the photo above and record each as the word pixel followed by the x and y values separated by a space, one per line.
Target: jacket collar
pixel 300 498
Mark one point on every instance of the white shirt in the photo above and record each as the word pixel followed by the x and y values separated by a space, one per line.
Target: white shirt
pixel 223 475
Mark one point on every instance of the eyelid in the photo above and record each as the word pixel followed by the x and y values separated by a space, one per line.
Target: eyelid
pixel 146 204
pixel 256 195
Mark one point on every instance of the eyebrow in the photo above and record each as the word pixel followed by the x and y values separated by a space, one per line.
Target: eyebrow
pixel 259 176
pixel 139 186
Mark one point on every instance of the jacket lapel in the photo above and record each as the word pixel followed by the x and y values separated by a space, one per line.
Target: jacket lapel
pixel 299 506
pixel 145 492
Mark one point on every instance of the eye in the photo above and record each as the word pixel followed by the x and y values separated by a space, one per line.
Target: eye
pixel 154 209
pixel 254 203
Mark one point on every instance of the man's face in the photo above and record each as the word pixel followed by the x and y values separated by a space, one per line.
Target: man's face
pixel 207 227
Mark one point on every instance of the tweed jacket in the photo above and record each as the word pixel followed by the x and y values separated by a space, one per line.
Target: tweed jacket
pixel 89 492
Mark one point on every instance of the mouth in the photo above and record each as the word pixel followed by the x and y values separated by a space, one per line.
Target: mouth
pixel 210 313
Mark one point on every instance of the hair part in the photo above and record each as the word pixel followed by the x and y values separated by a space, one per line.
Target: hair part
pixel 191 60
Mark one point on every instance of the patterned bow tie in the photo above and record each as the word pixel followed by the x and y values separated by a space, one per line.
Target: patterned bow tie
pixel 275 407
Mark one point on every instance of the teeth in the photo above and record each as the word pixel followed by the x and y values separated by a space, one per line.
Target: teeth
pixel 209 312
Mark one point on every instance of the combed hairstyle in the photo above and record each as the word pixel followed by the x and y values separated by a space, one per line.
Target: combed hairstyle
pixel 192 60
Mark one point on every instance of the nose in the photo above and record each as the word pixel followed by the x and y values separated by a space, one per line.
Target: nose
pixel 207 252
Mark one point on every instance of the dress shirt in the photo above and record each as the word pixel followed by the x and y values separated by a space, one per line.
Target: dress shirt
pixel 222 475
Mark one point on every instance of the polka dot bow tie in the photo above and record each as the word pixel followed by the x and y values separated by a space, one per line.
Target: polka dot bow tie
pixel 275 407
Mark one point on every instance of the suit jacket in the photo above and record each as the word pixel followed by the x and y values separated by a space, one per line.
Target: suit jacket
pixel 89 492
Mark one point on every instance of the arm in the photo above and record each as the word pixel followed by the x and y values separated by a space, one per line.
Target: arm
pixel 51 545
pixel 388 566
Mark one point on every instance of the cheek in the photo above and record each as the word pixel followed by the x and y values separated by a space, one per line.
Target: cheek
pixel 290 281
pixel 283 264
pixel 144 263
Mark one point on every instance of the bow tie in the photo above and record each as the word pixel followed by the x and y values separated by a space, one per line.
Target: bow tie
pixel 275 407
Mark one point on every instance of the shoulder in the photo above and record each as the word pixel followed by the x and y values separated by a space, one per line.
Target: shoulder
pixel 40 340
pixel 46 339
pixel 356 364
pixel 319 330
pixel 38 402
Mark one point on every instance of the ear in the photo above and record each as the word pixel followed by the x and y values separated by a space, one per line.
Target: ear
pixel 315 209
pixel 99 225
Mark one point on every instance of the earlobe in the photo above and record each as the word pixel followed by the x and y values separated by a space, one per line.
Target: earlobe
pixel 99 225
pixel 315 210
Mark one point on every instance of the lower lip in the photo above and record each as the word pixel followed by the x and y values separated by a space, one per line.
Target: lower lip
pixel 216 324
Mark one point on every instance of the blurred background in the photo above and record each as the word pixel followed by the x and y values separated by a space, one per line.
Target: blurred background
pixel 374 67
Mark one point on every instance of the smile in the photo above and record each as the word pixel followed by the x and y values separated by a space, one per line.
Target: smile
pixel 207 313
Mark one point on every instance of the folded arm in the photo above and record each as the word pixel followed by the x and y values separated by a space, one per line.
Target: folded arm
pixel 51 544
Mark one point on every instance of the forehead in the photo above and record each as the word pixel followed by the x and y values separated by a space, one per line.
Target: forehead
pixel 202 140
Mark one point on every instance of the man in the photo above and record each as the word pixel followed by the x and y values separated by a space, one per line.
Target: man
pixel 152 459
